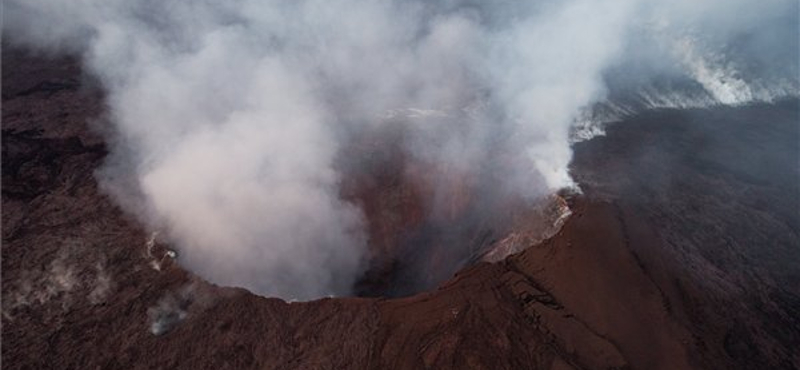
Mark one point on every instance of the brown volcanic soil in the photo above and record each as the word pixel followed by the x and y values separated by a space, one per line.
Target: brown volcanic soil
pixel 613 289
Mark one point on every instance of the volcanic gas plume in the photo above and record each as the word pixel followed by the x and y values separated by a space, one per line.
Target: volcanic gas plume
pixel 305 148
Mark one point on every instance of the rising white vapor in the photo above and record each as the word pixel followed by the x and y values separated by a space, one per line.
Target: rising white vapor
pixel 230 116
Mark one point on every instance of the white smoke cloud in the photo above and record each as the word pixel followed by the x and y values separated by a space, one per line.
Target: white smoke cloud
pixel 65 281
pixel 178 304
pixel 229 116
pixel 542 88
pixel 103 284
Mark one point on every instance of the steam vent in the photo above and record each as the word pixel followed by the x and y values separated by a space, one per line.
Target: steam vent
pixel 400 184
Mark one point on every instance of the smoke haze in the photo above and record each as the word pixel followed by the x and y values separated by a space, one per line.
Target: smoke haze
pixel 230 117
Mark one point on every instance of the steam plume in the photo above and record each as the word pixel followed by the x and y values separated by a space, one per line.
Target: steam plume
pixel 230 116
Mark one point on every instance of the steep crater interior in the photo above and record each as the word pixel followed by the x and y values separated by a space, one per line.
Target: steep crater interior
pixel 426 219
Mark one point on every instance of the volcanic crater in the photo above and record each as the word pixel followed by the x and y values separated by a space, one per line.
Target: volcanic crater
pixel 628 280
